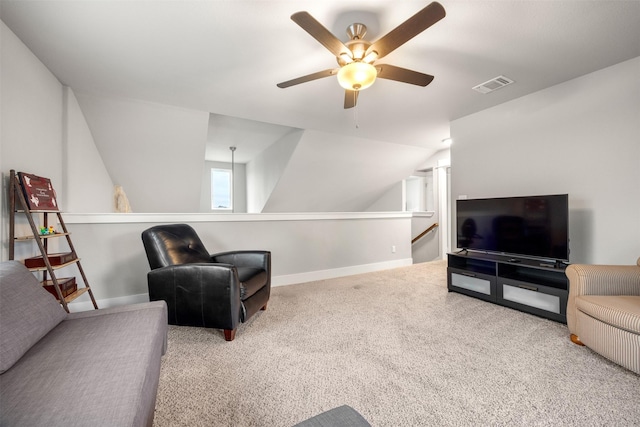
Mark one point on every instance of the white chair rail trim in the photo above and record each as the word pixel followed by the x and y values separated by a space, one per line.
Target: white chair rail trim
pixel 112 218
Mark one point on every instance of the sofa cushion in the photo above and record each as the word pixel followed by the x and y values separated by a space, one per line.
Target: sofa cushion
pixel 620 311
pixel 27 312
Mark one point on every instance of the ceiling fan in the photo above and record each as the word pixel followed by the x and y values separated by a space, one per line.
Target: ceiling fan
pixel 357 57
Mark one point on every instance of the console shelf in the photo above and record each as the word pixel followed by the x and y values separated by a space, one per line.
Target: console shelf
pixel 532 286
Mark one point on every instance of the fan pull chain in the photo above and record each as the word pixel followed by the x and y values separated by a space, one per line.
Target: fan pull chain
pixel 355 109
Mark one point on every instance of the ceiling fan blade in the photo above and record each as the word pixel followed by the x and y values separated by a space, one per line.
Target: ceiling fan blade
pixel 309 77
pixel 350 98
pixel 391 72
pixel 320 33
pixel 408 29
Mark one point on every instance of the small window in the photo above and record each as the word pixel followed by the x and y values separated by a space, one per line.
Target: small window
pixel 221 186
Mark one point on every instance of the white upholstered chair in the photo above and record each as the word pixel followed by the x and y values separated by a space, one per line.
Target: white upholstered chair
pixel 603 311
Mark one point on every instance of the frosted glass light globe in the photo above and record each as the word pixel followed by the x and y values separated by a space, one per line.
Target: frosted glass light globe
pixel 357 75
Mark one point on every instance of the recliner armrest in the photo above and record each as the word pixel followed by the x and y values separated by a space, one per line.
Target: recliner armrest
pixel 587 279
pixel 200 294
pixel 249 258
pixel 603 279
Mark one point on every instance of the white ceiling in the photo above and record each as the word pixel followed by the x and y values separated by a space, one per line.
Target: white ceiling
pixel 225 57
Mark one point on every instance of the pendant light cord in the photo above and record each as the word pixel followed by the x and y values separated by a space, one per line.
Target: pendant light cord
pixel 233 179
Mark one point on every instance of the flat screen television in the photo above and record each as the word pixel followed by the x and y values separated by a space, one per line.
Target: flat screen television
pixel 530 226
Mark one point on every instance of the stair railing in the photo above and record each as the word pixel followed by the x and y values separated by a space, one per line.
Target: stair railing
pixel 425 232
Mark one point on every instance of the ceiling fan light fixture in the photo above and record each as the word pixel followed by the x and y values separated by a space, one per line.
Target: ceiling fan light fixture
pixel 357 75
pixel 370 57
pixel 358 48
pixel 356 57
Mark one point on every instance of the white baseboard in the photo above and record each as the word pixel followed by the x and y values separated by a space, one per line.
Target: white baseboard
pixel 289 279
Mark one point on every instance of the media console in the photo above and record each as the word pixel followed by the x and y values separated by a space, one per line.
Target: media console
pixel 528 285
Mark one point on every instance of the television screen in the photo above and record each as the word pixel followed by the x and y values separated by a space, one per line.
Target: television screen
pixel 533 226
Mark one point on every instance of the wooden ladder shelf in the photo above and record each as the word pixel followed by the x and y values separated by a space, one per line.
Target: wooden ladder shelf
pixel 19 204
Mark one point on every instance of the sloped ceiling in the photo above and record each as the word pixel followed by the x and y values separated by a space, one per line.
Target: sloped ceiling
pixel 155 152
pixel 249 138
pixel 330 173
pixel 226 57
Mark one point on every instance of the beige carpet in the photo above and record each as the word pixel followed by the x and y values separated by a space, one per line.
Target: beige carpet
pixel 401 350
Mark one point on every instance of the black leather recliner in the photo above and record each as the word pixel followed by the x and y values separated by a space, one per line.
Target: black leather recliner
pixel 212 291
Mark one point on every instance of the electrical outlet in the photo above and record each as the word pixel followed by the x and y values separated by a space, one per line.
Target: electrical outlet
pixel 393 249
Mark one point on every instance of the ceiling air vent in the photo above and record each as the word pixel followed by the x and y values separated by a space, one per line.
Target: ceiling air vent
pixel 493 84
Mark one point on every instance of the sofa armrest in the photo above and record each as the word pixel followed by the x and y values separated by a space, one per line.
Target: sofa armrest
pixel 587 279
pixel 253 259
pixel 201 294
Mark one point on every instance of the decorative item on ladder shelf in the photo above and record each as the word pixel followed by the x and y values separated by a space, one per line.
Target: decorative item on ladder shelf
pixel 38 192
pixel 67 286
pixel 54 259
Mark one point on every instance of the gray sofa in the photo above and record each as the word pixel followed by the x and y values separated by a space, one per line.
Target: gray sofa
pixel 94 368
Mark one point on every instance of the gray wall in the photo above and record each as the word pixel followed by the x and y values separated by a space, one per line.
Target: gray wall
pixel 32 113
pixel 304 246
pixel 391 200
pixel 44 132
pixel 581 137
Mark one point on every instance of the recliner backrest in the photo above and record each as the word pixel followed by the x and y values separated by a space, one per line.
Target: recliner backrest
pixel 173 244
